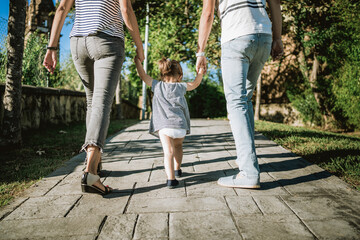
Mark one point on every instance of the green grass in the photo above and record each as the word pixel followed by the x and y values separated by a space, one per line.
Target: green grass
pixel 336 153
pixel 42 151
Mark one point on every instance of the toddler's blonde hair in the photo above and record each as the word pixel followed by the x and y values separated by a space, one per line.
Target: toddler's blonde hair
pixel 169 68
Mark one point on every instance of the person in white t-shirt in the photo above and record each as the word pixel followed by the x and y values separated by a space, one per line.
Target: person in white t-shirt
pixel 247 40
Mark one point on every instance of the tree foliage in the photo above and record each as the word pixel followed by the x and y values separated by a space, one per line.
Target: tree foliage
pixel 325 32
pixel 172 34
pixel 33 72
pixel 346 88
pixel 3 61
pixel 324 85
pixel 69 78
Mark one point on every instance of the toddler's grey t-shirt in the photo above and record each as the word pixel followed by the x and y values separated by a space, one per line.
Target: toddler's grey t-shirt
pixel 169 107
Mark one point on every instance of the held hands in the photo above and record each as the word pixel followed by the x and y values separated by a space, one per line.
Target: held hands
pixel 137 62
pixel 201 64
pixel 277 49
pixel 201 71
pixel 140 54
pixel 50 60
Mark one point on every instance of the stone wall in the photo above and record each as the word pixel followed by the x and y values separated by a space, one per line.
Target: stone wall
pixel 280 113
pixel 41 106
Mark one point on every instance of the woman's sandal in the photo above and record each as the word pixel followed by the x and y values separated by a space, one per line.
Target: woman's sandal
pixel 87 186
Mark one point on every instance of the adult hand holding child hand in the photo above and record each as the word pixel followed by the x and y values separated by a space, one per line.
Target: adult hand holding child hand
pixel 201 70
pixel 201 63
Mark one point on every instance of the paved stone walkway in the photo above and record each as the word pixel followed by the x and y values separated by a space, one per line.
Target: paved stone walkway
pixel 297 200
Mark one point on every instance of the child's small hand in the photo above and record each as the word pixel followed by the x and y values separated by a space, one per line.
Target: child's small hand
pixel 201 71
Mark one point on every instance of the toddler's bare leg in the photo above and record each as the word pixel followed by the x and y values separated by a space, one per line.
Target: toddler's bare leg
pixel 178 152
pixel 168 148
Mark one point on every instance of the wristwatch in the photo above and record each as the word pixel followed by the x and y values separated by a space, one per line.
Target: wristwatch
pixel 200 54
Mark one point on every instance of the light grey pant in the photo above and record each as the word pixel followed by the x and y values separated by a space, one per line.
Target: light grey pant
pixel 98 60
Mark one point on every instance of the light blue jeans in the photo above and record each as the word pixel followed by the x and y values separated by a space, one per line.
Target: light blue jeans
pixel 242 60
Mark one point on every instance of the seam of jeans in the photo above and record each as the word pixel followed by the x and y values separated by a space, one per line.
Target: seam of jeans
pixel 86 47
pixel 92 143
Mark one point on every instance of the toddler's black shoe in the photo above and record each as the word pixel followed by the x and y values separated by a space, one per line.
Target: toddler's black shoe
pixel 172 183
pixel 178 173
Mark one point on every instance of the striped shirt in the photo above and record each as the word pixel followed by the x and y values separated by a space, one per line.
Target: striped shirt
pixel 243 17
pixel 92 16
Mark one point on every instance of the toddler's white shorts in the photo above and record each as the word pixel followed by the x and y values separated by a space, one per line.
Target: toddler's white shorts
pixel 173 132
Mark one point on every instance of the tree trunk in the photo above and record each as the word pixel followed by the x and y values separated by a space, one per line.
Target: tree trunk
pixel 317 95
pixel 303 64
pixel 12 96
pixel 258 99
pixel 313 79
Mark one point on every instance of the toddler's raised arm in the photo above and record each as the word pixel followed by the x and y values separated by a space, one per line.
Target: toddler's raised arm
pixel 192 85
pixel 146 78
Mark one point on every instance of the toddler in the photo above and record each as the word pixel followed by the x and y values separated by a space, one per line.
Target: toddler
pixel 170 117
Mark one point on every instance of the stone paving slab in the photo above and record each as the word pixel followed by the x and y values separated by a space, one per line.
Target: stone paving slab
pixel 317 207
pixel 214 225
pixel 118 227
pixel 44 207
pixel 51 228
pixel 185 204
pixel 41 188
pixel 297 199
pixel 112 204
pixel 273 227
pixel 152 226
pixel 335 228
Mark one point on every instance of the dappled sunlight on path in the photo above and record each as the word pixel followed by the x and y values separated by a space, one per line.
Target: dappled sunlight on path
pixel 296 198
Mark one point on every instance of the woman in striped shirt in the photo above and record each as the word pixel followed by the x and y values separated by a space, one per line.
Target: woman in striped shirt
pixel 97 48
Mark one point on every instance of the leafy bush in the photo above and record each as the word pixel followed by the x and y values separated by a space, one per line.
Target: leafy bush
pixel 346 89
pixel 3 61
pixel 69 78
pixel 207 100
pixel 33 72
pixel 306 104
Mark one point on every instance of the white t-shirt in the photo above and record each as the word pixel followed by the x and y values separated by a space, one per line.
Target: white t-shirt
pixel 243 17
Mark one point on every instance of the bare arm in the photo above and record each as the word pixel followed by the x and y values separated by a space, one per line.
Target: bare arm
pixel 275 11
pixel 132 25
pixel 63 9
pixel 192 85
pixel 146 78
pixel 206 21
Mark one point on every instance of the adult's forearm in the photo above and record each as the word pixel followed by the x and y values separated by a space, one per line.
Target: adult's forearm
pixel 140 69
pixel 206 21
pixel 59 20
pixel 131 23
pixel 275 11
